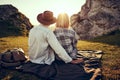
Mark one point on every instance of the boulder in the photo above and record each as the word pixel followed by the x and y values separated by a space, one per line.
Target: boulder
pixel 96 18
pixel 13 22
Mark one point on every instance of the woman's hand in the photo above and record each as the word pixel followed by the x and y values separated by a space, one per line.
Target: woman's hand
pixel 77 61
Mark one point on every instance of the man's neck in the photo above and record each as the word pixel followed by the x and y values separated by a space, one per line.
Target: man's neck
pixel 45 25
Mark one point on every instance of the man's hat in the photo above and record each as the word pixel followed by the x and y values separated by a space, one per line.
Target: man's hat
pixel 46 18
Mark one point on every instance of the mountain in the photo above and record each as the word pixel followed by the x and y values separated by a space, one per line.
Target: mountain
pixel 13 22
pixel 96 18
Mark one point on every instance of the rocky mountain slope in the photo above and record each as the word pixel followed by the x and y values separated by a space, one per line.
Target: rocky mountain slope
pixel 12 21
pixel 96 18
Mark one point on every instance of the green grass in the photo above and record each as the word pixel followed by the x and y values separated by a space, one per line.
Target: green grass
pixel 110 58
pixel 14 42
pixel 110 45
pixel 10 43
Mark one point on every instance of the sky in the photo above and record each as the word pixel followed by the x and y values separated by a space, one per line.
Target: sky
pixel 31 8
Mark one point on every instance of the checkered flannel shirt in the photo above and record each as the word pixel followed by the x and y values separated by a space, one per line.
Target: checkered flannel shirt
pixel 67 39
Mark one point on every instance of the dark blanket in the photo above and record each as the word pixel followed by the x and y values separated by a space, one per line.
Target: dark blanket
pixel 57 71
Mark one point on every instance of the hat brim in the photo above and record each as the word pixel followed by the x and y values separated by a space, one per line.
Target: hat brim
pixel 43 21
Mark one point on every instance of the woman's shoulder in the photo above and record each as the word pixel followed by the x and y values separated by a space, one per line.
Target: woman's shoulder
pixel 70 28
pixel 64 30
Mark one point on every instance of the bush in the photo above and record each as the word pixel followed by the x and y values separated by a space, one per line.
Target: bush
pixel 8 29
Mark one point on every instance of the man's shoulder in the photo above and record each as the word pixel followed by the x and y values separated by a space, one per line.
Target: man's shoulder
pixel 40 27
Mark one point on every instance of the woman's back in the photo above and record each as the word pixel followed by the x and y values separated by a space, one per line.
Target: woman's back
pixel 67 39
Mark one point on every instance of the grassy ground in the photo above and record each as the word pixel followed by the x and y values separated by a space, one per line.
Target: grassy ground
pixel 14 42
pixel 110 45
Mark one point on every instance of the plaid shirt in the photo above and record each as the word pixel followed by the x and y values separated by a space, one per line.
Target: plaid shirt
pixel 67 39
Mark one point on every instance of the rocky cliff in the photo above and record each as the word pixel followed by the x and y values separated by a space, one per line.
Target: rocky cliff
pixel 96 18
pixel 13 21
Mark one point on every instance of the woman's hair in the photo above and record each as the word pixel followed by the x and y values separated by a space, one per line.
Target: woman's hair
pixel 62 21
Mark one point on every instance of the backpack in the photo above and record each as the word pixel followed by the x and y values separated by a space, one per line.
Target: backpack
pixel 12 58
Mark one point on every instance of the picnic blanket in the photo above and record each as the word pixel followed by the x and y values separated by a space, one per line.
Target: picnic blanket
pixel 59 70
pixel 92 62
pixel 92 59
pixel 62 71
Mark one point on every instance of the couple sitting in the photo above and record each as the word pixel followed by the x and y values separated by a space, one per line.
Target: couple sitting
pixel 45 45
pixel 41 39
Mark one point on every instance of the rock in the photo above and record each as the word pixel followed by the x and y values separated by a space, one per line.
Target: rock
pixel 11 18
pixel 96 18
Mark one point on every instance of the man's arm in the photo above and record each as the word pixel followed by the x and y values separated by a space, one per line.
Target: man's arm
pixel 56 46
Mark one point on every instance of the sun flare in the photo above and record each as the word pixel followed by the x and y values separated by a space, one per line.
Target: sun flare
pixel 64 7
pixel 38 6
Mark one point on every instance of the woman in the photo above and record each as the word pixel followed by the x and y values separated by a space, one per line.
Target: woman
pixel 66 35
pixel 67 38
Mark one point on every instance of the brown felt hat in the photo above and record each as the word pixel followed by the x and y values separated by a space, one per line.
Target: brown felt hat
pixel 46 18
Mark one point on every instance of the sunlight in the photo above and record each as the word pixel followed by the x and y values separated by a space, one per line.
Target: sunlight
pixel 63 7
pixel 57 6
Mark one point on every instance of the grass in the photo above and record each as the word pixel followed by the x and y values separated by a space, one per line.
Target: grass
pixel 14 42
pixel 110 45
pixel 10 43
pixel 110 59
